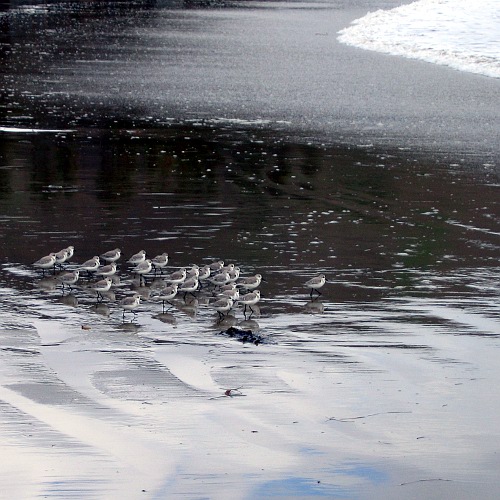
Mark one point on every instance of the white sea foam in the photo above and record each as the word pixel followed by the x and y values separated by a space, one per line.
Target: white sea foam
pixel 462 34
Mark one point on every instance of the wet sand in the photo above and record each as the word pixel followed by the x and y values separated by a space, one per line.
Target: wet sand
pixel 381 388
pixel 332 406
pixel 268 65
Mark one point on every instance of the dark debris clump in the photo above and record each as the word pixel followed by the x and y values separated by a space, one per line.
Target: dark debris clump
pixel 245 336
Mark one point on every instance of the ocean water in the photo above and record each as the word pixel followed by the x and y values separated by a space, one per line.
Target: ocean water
pixel 461 34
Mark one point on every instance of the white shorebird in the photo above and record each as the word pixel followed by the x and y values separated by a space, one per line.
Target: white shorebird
pixel 137 258
pixel 234 274
pixel 219 279
pixel 61 256
pixel 68 278
pixel 143 268
pixel 315 284
pixel 250 282
pixel 130 304
pixel 227 269
pixel 46 262
pixel 250 299
pixel 71 251
pixel 101 287
pixel 108 270
pixel 111 255
pixel 167 294
pixel 204 273
pixel 222 306
pixel 193 272
pixel 189 286
pixel 160 261
pixel 232 293
pixel 216 266
pixel 177 277
pixel 91 265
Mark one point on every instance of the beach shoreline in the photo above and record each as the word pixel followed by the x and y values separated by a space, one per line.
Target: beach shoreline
pixel 250 135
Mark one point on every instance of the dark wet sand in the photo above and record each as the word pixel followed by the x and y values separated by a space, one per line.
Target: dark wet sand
pixel 276 66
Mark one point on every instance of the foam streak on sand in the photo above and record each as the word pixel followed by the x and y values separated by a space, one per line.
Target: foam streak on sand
pixel 456 33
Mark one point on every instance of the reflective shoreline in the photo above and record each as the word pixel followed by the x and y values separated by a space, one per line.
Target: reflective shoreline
pixel 380 388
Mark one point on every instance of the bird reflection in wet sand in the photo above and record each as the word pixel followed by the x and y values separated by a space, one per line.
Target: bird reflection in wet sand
pixel 102 309
pixel 46 284
pixel 249 324
pixel 315 306
pixel 190 306
pixel 69 300
pixel 166 317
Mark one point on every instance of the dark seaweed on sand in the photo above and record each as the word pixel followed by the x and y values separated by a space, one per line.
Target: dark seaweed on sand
pixel 245 336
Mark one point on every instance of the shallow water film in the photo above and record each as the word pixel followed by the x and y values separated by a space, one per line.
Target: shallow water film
pixel 380 384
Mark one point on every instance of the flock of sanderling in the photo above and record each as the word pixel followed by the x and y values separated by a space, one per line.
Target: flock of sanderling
pixel 227 286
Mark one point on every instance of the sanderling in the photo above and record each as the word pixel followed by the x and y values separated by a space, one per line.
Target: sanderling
pixel 101 286
pixel 137 258
pixel 227 269
pixel 177 277
pixel 219 279
pixel 189 286
pixel 130 304
pixel 143 268
pixel 71 251
pixel 167 294
pixel 111 255
pixel 204 273
pixel 91 265
pixel 193 272
pixel 250 282
pixel 250 299
pixel 46 262
pixel 315 283
pixel 68 278
pixel 216 266
pixel 222 306
pixel 108 270
pixel 234 274
pixel 232 293
pixel 61 256
pixel 160 261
